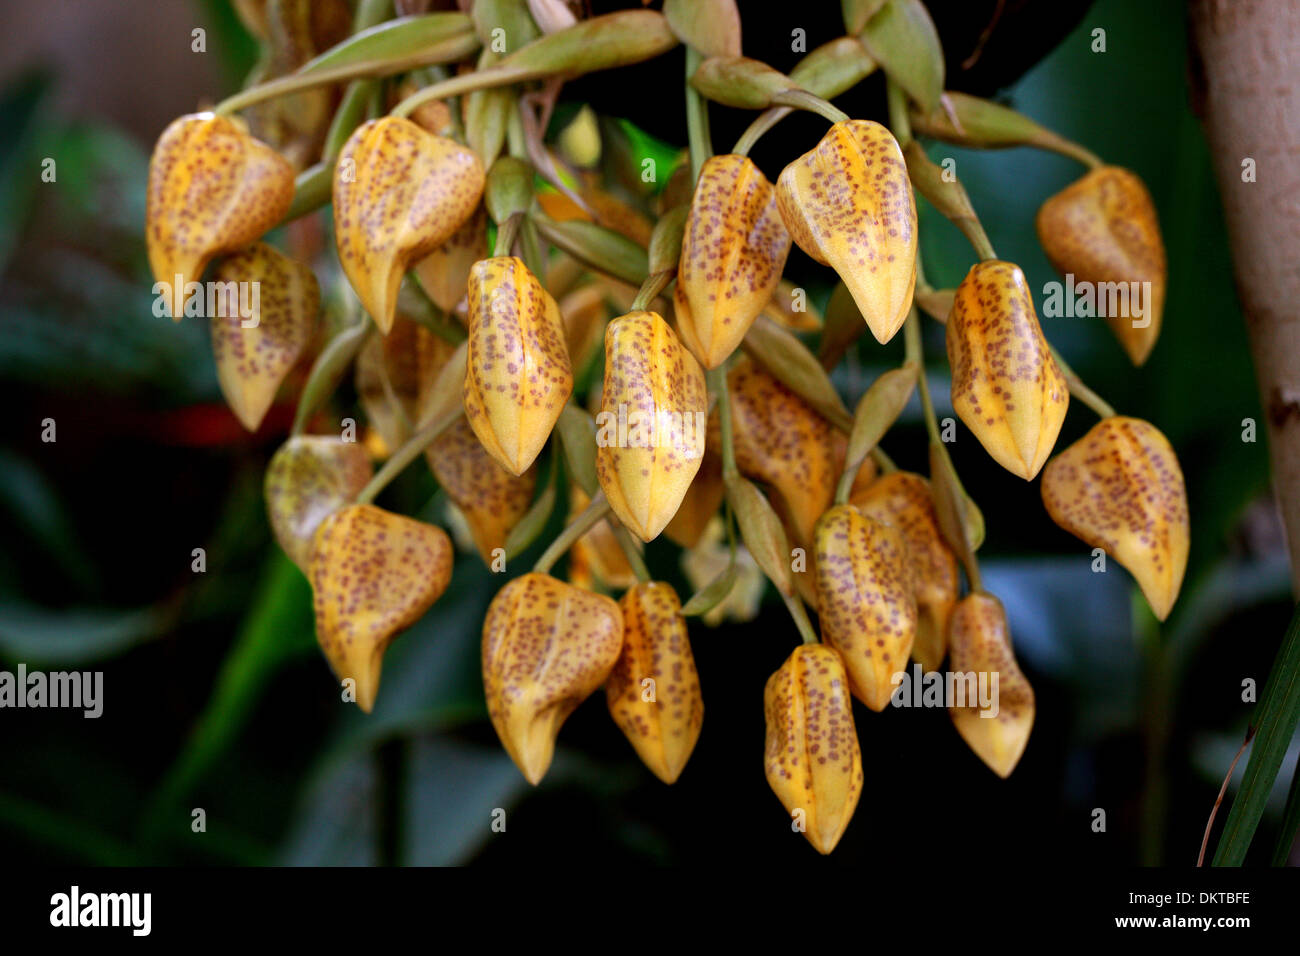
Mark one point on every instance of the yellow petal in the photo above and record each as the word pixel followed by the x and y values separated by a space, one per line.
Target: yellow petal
pixel 701 501
pixel 654 690
pixel 980 654
pixel 1006 386
pixel 546 646
pixel 781 441
pixel 444 273
pixel 374 574
pixel 255 352
pixel 733 251
pixel 519 375
pixel 308 479
pixel 491 499
pixel 1119 488
pixel 1102 229
pixel 652 424
pixel 865 599
pixel 903 500
pixel 213 188
pixel 848 203
pixel 399 194
pixel 812 759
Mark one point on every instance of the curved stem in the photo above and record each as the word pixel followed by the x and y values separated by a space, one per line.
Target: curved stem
pixel 697 118
pixel 328 369
pixel 1079 390
pixel 717 379
pixel 756 130
pixel 630 550
pixel 800 615
pixel 466 83
pixel 650 289
pixel 507 233
pixel 409 451
pixel 803 100
pixel 596 509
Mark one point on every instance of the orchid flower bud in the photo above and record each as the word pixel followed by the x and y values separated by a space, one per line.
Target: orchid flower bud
pixel 254 352
pixel 1103 230
pixel 373 574
pixel 1119 488
pixel 865 599
pixel 546 646
pixel 733 252
pixel 903 500
pixel 213 188
pixel 308 479
pixel 519 375
pixel 652 423
pixel 1006 386
pixel 399 194
pixel 654 689
pixel 780 441
pixel 812 759
pixel 491 499
pixel 996 710
pixel 848 203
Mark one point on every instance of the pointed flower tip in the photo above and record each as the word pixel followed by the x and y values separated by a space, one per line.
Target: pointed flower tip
pixel 1120 488
pixel 997 715
pixel 519 375
pixel 213 188
pixel 652 425
pixel 812 759
pixel 848 203
pixel 399 194
pixel 547 646
pixel 373 574
pixel 1006 387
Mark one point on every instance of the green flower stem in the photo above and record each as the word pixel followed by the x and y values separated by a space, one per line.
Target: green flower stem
pixel 596 509
pixel 1079 390
pixel 650 289
pixel 717 379
pixel 328 369
pixel 914 352
pixel 883 461
pixel 467 83
pixel 757 129
pixel 630 551
pixel 507 232
pixel 899 122
pixel 800 615
pixel 409 451
pixel 803 100
pixel 697 118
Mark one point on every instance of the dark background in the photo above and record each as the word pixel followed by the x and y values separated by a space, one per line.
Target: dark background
pixel 216 698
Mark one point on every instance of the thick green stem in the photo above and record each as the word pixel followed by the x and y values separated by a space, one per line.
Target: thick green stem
pixel 899 121
pixel 507 233
pixel 803 100
pixel 596 509
pixel 409 451
pixel 795 604
pixel 650 289
pixel 630 551
pixel 697 118
pixel 717 380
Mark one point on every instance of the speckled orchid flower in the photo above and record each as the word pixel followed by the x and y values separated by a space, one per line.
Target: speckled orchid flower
pixel 547 646
pixel 308 479
pixel 373 574
pixel 996 710
pixel 399 194
pixel 903 500
pixel 812 758
pixel 848 203
pixel 865 599
pixel 1006 386
pixel 654 690
pixel 1103 229
pixel 519 375
pixel 255 352
pixel 652 424
pixel 213 188
pixel 1119 488
pixel 733 251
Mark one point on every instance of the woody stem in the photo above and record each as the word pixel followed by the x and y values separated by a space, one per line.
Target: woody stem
pixel 596 509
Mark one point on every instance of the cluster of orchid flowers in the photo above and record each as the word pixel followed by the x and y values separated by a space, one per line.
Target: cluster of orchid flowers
pixel 471 360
